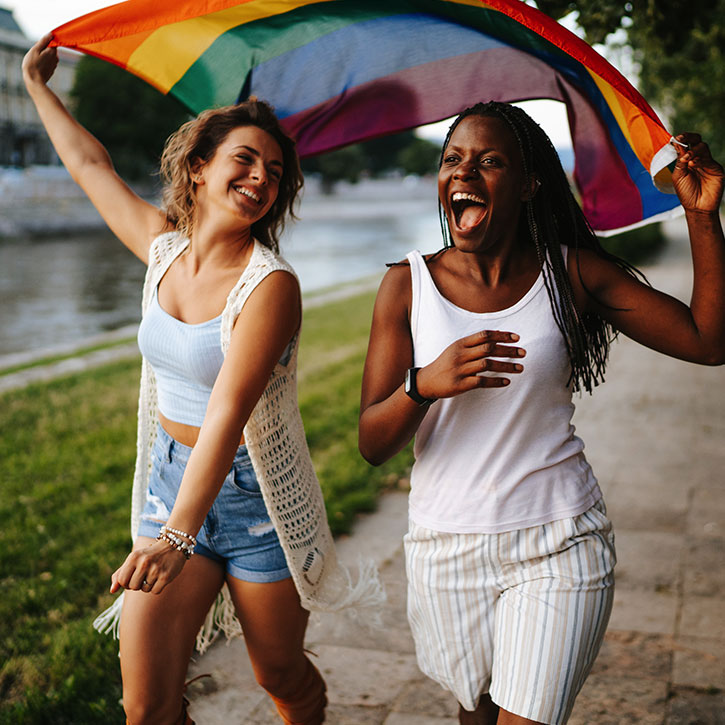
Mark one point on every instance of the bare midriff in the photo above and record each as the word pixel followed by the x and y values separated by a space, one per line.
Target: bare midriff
pixel 185 434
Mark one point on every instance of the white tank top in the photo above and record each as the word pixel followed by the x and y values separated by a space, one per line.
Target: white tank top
pixel 497 459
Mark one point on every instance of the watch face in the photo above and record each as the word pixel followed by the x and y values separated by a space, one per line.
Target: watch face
pixel 411 389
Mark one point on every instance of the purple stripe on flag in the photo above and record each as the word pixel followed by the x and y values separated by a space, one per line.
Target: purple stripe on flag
pixel 425 93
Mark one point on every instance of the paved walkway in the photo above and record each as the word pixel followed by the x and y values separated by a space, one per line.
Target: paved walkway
pixel 655 435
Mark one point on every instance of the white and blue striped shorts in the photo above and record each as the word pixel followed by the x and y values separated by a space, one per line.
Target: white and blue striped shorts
pixel 519 614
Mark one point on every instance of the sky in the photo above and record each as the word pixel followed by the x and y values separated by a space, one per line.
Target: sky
pixel 36 17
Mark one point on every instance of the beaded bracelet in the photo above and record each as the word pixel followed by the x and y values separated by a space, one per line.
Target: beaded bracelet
pixel 166 529
pixel 177 544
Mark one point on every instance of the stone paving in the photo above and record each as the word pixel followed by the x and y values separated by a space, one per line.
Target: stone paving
pixel 655 436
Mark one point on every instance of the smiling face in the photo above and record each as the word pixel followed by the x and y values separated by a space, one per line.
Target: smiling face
pixel 241 180
pixel 481 184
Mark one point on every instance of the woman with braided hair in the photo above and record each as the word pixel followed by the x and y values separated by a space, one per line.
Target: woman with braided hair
pixel 475 351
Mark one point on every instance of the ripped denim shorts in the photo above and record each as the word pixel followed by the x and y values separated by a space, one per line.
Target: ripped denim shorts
pixel 237 531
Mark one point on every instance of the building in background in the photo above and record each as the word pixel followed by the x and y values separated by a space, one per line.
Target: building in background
pixel 23 141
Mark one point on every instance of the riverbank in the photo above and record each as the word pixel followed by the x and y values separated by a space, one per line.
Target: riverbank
pixel 67 448
pixel 43 201
pixel 68 287
pixel 20 369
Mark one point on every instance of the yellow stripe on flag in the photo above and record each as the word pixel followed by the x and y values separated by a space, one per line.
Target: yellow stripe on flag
pixel 642 133
pixel 172 49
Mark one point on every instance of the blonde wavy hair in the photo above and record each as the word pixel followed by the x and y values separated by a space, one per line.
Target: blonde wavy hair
pixel 199 139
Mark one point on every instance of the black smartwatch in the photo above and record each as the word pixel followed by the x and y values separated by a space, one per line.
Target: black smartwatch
pixel 411 388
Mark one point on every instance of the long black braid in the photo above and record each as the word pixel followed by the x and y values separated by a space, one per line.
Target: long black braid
pixel 553 216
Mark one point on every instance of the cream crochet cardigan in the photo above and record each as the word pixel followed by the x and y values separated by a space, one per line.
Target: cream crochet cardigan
pixel 278 450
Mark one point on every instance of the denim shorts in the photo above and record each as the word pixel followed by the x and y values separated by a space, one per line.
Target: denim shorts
pixel 237 531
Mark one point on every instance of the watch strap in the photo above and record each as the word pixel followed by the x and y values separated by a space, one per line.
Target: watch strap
pixel 411 388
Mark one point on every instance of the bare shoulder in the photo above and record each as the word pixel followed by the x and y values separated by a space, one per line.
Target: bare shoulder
pixel 397 274
pixel 280 287
pixel 282 279
pixel 592 267
pixel 395 289
pixel 271 314
pixel 583 266
pixel 581 259
pixel 596 279
pixel 275 299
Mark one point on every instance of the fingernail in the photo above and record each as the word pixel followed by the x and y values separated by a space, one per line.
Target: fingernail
pixel 518 368
pixel 505 381
pixel 514 336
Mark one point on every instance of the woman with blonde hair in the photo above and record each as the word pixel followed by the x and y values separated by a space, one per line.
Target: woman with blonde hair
pixel 225 496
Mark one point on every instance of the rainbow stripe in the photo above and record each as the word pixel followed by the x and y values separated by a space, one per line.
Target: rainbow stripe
pixel 341 71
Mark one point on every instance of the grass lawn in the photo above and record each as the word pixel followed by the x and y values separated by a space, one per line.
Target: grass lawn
pixel 67 451
pixel 64 356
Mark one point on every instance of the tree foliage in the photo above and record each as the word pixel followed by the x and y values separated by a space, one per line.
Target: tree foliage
pixel 679 48
pixel 129 117
pixel 419 157
pixel 345 164
pixel 400 152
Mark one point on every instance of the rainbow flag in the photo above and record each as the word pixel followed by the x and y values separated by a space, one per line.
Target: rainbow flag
pixel 341 71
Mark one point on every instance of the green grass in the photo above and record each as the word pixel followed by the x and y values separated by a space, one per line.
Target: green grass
pixel 67 450
pixel 64 356
pixel 332 352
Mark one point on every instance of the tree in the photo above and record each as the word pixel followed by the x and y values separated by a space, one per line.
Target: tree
pixel 679 48
pixel 419 157
pixel 401 151
pixel 382 153
pixel 127 115
pixel 345 164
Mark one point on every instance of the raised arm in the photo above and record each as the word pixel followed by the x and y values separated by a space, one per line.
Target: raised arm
pixel 134 221
pixel 389 418
pixel 269 319
pixel 695 333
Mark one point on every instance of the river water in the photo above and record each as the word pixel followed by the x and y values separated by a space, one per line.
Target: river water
pixel 66 287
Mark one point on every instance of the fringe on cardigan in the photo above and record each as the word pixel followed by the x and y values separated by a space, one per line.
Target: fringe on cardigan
pixel 278 451
pixel 362 605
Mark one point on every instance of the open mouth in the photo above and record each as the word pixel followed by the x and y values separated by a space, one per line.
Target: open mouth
pixel 468 210
pixel 249 194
